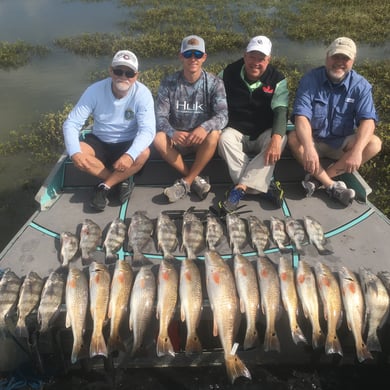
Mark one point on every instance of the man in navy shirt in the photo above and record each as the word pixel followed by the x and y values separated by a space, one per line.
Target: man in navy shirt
pixel 335 117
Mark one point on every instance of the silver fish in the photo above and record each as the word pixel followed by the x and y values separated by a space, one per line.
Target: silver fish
pixel 308 295
pixel 270 301
pixel 190 293
pixel 248 292
pixel 99 288
pixel 114 239
pixel 237 234
pixel 296 232
pixel 51 300
pixel 142 299
pixel 316 234
pixel 121 284
pixel 139 233
pixel 167 240
pixel 168 281
pixel 290 298
pixel 222 294
pixel 29 296
pixel 353 300
pixel 10 285
pixel 331 301
pixel 259 234
pixel 76 300
pixel 193 234
pixel 279 234
pixel 214 232
pixel 69 244
pixel 90 239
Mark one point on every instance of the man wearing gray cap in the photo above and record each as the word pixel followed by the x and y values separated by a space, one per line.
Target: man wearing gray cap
pixel 254 139
pixel 124 126
pixel 335 117
pixel 191 110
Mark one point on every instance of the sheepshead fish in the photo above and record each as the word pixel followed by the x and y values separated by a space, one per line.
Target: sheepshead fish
pixel 167 241
pixel 279 234
pixel 331 300
pixel 99 288
pixel 193 234
pixel 76 300
pixel 214 232
pixel 90 239
pixel 290 298
pixel 308 295
pixel 259 234
pixel 69 244
pixel 168 281
pixel 377 303
pixel 248 292
pixel 316 234
pixel 353 300
pixel 10 285
pixel 296 232
pixel 224 303
pixel 29 296
pixel 121 284
pixel 51 300
pixel 236 229
pixel 190 293
pixel 114 239
pixel 270 301
pixel 142 299
pixel 139 233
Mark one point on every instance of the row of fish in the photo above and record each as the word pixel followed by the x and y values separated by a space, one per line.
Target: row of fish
pixel 196 235
pixel 244 289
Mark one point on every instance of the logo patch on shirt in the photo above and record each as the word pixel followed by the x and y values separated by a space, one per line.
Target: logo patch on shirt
pixel 268 89
pixel 350 100
pixel 129 114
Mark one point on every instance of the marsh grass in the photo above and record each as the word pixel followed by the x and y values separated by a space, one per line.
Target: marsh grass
pixel 154 30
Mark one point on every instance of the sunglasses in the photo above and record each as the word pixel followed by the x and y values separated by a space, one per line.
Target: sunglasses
pixel 189 53
pixel 128 73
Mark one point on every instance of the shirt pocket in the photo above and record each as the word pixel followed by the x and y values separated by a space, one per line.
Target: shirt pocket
pixel 343 122
pixel 320 114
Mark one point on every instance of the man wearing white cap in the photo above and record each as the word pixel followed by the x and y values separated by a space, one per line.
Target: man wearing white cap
pixel 254 139
pixel 124 126
pixel 335 117
pixel 191 111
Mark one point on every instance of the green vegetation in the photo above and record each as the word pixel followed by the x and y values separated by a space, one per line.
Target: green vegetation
pixel 154 30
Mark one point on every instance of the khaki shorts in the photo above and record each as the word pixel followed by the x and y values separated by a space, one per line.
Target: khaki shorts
pixel 324 150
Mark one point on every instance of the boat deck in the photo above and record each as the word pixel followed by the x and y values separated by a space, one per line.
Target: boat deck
pixel 357 235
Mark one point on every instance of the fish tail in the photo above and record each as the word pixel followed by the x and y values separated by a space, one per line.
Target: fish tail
pixel 236 368
pixel 284 249
pixel 250 338
pixel 111 258
pixel 87 260
pixel 138 259
pixel 324 251
pixel 332 345
pixel 373 343
pixel 318 339
pixel 115 343
pixel 98 345
pixel 77 344
pixel 298 336
pixel 193 344
pixel 164 346
pixel 362 352
pixel 21 328
pixel 271 341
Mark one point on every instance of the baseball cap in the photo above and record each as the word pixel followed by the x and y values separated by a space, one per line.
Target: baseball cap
pixel 260 43
pixel 342 45
pixel 192 42
pixel 125 58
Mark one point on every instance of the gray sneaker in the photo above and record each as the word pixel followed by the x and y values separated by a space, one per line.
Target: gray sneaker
pixel 201 186
pixel 310 184
pixel 178 191
pixel 340 192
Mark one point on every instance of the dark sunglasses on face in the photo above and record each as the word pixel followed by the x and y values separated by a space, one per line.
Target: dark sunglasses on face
pixel 128 73
pixel 189 53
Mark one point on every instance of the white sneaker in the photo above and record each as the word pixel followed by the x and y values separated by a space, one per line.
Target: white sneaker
pixel 201 186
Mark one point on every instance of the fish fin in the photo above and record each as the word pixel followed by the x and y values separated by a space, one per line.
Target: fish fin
pixel 115 343
pixel 98 346
pixel 236 368
pixel 333 346
pixel 324 251
pixel 363 353
pixel 317 338
pixel 271 341
pixel 251 337
pixel 86 261
pixel 373 343
pixel 164 346
pixel 193 344
pixel 21 329
pixel 298 336
pixel 111 258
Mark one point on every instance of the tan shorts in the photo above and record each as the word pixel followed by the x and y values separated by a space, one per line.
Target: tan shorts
pixel 324 150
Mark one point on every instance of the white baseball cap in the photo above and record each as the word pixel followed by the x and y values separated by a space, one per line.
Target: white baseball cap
pixel 192 42
pixel 260 43
pixel 125 58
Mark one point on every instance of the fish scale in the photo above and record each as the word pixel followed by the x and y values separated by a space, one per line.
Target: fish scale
pixel 193 234
pixel 259 234
pixel 10 285
pixel 237 233
pixel 167 240
pixel 114 239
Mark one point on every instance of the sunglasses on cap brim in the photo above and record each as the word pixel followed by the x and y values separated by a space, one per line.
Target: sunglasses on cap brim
pixel 196 53
pixel 120 72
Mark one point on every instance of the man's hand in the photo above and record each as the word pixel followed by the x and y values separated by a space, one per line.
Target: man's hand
pixel 311 161
pixel 274 150
pixel 124 162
